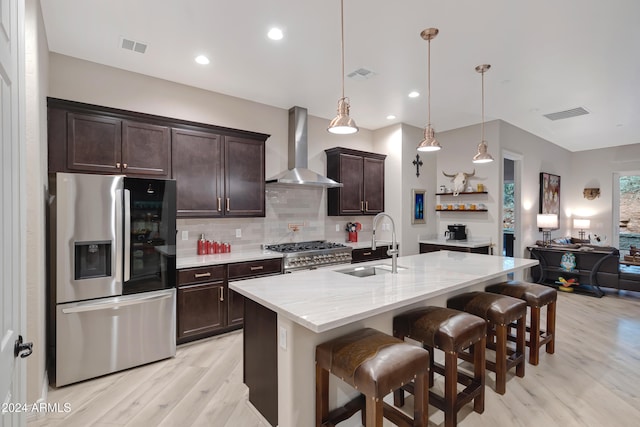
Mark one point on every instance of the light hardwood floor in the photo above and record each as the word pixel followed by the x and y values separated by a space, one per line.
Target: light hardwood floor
pixel 593 379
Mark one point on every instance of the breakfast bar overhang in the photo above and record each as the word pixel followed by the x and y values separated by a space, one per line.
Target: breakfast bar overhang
pixel 286 316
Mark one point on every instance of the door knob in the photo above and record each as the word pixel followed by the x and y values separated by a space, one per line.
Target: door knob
pixel 23 349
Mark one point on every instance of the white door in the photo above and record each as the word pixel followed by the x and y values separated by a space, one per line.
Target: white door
pixel 12 227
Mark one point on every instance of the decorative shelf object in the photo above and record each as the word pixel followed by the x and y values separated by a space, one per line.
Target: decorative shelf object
pixel 461 210
pixel 461 193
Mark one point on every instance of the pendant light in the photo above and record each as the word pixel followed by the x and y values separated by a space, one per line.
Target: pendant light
pixel 342 123
pixel 429 143
pixel 482 156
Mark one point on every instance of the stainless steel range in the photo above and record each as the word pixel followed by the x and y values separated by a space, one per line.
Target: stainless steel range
pixel 312 254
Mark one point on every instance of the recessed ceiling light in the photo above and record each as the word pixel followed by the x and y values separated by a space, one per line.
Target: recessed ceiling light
pixel 414 94
pixel 201 59
pixel 391 117
pixel 275 34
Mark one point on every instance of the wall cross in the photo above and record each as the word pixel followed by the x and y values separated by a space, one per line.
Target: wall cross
pixel 417 163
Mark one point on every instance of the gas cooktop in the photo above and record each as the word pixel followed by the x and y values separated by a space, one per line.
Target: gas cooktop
pixel 313 245
pixel 311 254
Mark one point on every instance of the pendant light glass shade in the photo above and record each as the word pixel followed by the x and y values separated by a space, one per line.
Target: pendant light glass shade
pixel 342 124
pixel 482 156
pixel 429 143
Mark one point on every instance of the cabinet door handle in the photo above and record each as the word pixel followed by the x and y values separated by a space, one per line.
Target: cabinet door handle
pixel 124 165
pixel 259 267
pixel 221 293
pixel 361 206
pixel 366 253
pixel 228 205
pixel 118 165
pixel 366 206
pixel 219 204
pixel 201 275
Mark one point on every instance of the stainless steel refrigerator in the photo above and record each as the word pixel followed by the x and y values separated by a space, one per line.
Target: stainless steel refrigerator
pixel 112 273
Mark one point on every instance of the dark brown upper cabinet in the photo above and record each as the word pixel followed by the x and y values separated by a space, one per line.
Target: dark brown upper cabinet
pixel 103 144
pixel 218 175
pixel 219 171
pixel 362 176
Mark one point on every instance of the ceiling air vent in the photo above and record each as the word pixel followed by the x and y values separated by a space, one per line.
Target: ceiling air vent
pixel 361 74
pixel 133 45
pixel 574 112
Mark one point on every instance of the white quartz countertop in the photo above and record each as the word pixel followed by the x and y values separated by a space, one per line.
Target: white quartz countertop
pixel 469 243
pixel 323 299
pixel 240 256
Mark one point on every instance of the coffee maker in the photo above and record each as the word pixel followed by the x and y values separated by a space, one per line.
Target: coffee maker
pixel 456 232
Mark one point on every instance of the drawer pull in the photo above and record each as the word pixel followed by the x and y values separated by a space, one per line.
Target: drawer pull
pixel 259 267
pixel 366 253
pixel 201 275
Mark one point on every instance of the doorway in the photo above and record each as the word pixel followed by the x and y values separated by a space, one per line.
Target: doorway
pixel 511 212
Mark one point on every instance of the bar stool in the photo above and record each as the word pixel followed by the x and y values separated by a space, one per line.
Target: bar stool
pixel 450 331
pixel 499 311
pixel 375 364
pixel 536 296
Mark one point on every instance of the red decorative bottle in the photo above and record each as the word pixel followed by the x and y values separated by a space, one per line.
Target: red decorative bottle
pixel 202 245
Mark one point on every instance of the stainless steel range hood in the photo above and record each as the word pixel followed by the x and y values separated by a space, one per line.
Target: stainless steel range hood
pixel 298 173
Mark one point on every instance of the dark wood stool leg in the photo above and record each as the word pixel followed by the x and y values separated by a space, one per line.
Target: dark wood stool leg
pixel 374 412
pixel 521 344
pixel 450 389
pixel 501 359
pixel 534 336
pixel 322 395
pixel 421 401
pixel 431 363
pixel 479 373
pixel 551 327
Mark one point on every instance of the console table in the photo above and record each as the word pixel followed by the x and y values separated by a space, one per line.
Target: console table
pixel 594 268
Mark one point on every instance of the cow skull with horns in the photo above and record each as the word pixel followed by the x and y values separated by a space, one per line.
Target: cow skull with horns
pixel 459 180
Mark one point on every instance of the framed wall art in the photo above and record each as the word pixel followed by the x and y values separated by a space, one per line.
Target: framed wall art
pixel 549 194
pixel 417 216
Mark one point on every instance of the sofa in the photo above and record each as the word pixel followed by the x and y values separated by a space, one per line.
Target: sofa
pixel 595 266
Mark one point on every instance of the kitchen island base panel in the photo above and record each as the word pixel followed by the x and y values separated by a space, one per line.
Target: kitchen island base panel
pixel 295 349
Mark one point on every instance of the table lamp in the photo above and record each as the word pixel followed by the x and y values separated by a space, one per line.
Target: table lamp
pixel 581 225
pixel 547 222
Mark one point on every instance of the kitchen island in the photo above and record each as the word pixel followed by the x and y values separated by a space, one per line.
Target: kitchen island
pixel 287 316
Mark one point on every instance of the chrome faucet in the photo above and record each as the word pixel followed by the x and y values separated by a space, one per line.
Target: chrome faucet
pixel 393 250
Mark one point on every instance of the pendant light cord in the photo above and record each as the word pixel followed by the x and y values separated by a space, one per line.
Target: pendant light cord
pixel 429 82
pixel 342 42
pixel 482 127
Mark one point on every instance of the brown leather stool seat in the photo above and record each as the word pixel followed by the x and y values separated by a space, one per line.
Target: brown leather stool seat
pixel 536 296
pixel 451 331
pixel 375 364
pixel 499 311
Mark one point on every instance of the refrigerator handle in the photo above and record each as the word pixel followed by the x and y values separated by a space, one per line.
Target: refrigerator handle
pixel 127 235
pixel 116 304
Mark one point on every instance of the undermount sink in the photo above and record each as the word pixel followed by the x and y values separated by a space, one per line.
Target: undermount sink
pixel 372 270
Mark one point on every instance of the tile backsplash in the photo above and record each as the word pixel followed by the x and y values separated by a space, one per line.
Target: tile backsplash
pixel 293 214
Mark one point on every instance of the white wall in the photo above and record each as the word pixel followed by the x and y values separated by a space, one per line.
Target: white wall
pixel 538 155
pixel 458 148
pixel 36 87
pixel 596 169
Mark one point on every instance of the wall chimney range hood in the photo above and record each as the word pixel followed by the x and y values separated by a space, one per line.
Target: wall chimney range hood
pixel 298 173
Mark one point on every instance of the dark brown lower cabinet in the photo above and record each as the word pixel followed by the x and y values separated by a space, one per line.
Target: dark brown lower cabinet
pixel 368 254
pixel 202 309
pixel 428 247
pixel 206 305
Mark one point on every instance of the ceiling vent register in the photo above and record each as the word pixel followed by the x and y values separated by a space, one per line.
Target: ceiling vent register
pixel 560 115
pixel 133 45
